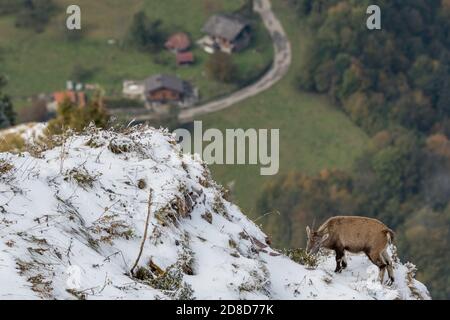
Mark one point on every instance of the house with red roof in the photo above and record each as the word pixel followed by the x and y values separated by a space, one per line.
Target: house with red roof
pixel 178 42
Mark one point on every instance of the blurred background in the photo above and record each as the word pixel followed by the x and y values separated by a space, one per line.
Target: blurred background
pixel 364 115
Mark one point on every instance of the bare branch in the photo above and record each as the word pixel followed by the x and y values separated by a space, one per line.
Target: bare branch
pixel 144 238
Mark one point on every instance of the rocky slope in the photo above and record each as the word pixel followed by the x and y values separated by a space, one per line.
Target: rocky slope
pixel 72 220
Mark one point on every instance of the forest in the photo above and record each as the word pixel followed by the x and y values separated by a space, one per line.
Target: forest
pixel 395 84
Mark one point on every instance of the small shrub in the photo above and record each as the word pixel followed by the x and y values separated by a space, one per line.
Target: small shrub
pixel 94 142
pixel 219 207
pixel 226 194
pixel 207 216
pixel 300 256
pixel 172 283
pixel 142 184
pixel 78 294
pixel 257 282
pixel 109 228
pixel 232 243
pixel 5 167
pixel 40 285
pixel 243 235
pixel 82 177
pixel 166 215
pixel 186 259
pixel 143 274
pixel 183 205
pixel 118 146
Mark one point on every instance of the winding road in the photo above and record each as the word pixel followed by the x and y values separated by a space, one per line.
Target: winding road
pixel 280 66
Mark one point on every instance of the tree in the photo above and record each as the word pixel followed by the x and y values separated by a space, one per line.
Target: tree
pixel 9 6
pixel 145 34
pixel 220 67
pixel 425 237
pixel 7 114
pixel 324 76
pixel 35 14
pixel 443 102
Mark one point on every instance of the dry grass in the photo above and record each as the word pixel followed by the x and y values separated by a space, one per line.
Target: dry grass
pixel 5 167
pixel 300 256
pixel 82 177
pixel 207 216
pixel 108 228
pixel 11 142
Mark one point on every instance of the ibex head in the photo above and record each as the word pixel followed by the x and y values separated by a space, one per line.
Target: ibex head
pixel 315 240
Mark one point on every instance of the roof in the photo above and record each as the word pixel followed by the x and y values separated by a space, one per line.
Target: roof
pixel 76 97
pixel 225 26
pixel 161 81
pixel 178 41
pixel 185 57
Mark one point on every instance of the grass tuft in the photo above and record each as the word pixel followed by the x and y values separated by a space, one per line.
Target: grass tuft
pixel 300 256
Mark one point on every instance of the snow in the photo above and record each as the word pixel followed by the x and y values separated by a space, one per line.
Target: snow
pixel 72 221
pixel 28 131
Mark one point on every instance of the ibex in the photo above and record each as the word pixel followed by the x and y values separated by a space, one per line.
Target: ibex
pixel 354 234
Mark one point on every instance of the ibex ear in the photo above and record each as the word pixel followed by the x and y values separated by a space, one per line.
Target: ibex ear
pixel 308 231
pixel 324 237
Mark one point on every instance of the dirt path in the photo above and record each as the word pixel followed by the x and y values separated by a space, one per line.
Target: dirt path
pixel 280 67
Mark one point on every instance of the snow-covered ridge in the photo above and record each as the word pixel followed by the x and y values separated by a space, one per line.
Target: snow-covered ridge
pixel 72 220
pixel 28 131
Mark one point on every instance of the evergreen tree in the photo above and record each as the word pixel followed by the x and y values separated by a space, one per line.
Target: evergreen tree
pixel 145 34
pixel 7 114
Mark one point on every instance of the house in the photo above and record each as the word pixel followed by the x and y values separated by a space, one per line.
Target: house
pixel 166 89
pixel 76 97
pixel 227 33
pixel 185 58
pixel 178 42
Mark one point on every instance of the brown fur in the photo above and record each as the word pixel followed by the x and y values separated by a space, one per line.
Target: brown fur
pixel 354 234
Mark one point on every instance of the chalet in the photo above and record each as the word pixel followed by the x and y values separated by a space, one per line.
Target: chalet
pixel 227 33
pixel 167 89
pixel 178 42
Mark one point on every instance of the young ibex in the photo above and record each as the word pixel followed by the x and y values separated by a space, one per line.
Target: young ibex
pixel 354 234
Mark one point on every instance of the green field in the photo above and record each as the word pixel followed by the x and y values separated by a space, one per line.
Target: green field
pixel 314 134
pixel 42 63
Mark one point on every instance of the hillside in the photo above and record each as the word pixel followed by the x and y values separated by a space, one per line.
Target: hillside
pixel 314 133
pixel 75 214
